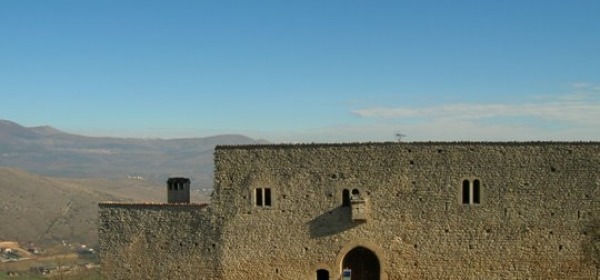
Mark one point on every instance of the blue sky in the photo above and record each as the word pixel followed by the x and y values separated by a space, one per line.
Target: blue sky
pixel 304 71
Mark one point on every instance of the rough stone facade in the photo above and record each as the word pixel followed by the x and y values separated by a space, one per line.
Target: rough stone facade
pixel 385 210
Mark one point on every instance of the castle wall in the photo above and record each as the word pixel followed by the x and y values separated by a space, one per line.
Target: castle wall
pixel 157 241
pixel 277 213
pixel 536 199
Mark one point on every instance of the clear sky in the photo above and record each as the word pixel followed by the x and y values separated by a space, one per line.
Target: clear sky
pixel 304 71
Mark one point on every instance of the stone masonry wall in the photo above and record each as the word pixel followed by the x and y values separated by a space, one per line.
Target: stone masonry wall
pixel 535 219
pixel 157 241
pixel 535 200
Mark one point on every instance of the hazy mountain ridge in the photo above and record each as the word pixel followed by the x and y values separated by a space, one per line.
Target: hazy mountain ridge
pixel 68 174
pixel 51 152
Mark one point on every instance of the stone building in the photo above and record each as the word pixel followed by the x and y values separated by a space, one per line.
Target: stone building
pixel 515 210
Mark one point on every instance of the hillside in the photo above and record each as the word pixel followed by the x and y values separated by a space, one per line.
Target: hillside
pixel 51 152
pixel 42 210
pixel 67 175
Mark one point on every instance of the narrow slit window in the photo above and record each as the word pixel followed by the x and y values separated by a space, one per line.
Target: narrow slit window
pixel 259 197
pixel 267 197
pixel 466 192
pixel 476 192
pixel 345 198
pixel 471 192
pixel 263 197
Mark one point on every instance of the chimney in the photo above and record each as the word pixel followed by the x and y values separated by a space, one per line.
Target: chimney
pixel 178 190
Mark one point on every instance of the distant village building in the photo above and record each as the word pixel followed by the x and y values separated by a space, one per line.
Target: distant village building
pixel 376 211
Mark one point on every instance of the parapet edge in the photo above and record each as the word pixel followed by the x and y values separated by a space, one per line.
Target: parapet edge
pixel 390 143
pixel 152 204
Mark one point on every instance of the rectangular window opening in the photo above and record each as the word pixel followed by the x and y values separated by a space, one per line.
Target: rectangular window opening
pixel 466 199
pixel 476 192
pixel 259 197
pixel 267 197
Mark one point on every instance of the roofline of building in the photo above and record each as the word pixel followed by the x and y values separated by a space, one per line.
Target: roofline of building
pixel 420 143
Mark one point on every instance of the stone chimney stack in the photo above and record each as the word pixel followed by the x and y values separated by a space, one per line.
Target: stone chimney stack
pixel 178 190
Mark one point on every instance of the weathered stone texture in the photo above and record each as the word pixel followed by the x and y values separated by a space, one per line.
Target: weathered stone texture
pixel 535 200
pixel 156 241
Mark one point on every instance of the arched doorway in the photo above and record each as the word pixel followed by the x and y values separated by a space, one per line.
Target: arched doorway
pixel 363 263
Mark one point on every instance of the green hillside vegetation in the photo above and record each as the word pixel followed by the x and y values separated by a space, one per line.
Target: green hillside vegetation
pixel 4 276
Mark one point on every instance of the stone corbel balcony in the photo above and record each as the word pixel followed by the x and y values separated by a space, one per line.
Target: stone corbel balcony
pixel 360 210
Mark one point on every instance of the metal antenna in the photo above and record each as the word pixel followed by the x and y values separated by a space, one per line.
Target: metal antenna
pixel 400 136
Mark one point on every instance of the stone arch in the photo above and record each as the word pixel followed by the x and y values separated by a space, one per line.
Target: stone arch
pixel 368 249
pixel 363 263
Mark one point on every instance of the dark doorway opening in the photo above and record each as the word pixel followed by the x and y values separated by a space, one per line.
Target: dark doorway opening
pixel 322 274
pixel 363 263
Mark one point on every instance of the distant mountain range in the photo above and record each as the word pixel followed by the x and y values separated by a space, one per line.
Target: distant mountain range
pixel 51 181
pixel 48 151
